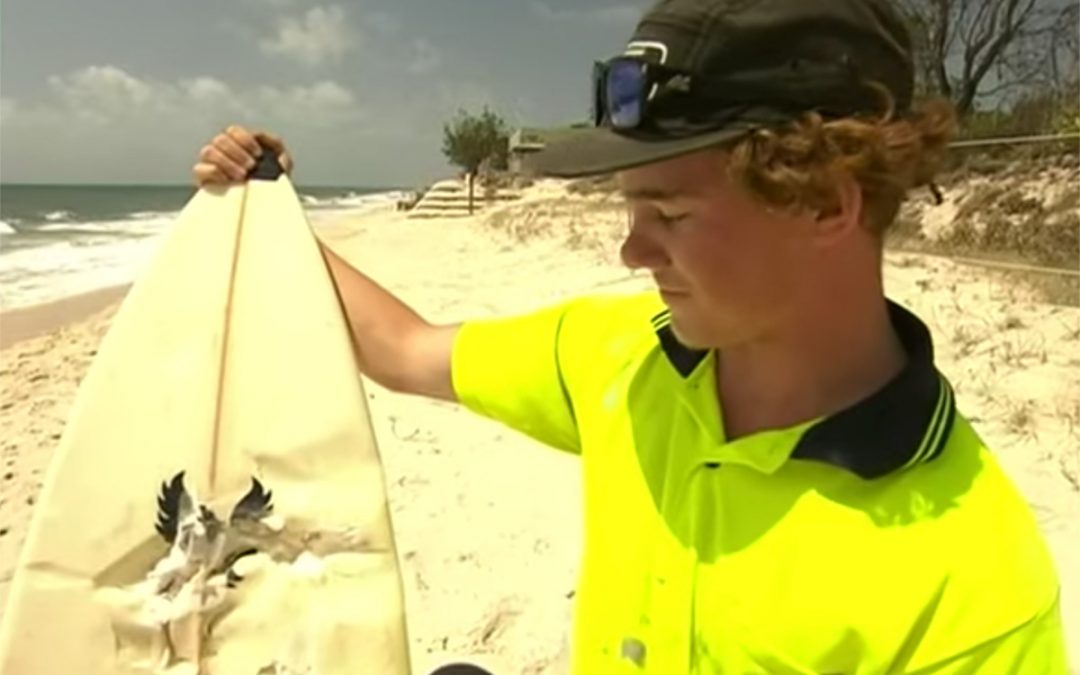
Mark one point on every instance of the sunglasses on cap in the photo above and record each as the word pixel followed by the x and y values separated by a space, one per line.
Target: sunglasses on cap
pixel 622 87
pixel 632 93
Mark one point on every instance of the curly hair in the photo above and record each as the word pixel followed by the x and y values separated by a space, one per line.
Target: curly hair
pixel 795 168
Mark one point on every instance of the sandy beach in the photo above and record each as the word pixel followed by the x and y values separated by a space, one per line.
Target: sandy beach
pixel 487 520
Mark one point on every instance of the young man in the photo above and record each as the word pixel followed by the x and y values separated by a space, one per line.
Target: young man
pixel 776 477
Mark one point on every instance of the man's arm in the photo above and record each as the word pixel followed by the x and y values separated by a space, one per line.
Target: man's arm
pixel 505 368
pixel 395 346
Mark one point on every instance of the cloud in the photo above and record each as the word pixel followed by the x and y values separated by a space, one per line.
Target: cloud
pixel 7 108
pixel 237 29
pixel 109 96
pixel 104 95
pixel 324 104
pixel 618 15
pixel 450 96
pixel 101 91
pixel 321 36
pixel 384 23
pixel 207 90
pixel 425 57
pixel 113 125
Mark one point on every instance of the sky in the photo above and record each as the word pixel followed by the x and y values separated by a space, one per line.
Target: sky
pixel 128 91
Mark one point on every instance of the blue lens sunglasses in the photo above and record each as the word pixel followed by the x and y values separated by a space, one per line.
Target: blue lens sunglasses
pixel 625 88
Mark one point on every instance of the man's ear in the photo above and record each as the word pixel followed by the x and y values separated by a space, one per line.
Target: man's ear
pixel 845 216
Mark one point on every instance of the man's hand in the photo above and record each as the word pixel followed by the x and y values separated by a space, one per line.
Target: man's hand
pixel 231 154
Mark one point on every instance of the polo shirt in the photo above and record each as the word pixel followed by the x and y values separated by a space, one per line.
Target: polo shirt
pixel 883 538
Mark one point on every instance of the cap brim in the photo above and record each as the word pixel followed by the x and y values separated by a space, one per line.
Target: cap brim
pixel 588 152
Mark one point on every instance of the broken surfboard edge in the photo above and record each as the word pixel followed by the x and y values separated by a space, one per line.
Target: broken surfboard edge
pixel 204 506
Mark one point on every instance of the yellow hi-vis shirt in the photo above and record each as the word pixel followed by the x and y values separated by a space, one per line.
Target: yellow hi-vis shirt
pixel 882 539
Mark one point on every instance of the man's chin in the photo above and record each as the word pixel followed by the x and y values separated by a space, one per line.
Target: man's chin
pixel 686 335
pixel 687 322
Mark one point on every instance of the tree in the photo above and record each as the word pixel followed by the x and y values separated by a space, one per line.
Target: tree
pixel 968 50
pixel 470 140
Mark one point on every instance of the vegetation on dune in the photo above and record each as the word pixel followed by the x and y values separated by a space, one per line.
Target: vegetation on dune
pixel 472 140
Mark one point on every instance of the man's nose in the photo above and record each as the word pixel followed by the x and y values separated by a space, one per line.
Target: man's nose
pixel 640 249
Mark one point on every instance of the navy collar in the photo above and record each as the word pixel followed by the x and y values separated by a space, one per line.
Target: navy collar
pixel 906 422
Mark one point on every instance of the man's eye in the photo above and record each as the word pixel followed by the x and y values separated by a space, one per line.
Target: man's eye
pixel 670 219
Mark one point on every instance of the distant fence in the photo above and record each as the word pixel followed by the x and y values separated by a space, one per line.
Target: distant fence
pixel 1014 211
pixel 1015 140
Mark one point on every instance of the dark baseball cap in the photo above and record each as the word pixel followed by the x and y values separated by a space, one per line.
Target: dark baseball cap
pixel 759 63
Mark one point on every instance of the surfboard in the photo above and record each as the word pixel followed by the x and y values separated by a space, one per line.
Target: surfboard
pixel 216 503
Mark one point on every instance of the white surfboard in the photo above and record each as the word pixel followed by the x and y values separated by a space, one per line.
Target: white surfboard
pixel 216 504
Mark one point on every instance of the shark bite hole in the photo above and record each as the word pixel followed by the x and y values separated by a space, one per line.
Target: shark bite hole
pixel 200 540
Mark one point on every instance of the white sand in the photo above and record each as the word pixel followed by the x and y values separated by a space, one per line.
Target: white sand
pixel 488 520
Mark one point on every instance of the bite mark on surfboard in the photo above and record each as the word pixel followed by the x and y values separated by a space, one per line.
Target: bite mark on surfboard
pixel 200 539
pixel 184 592
pixel 173 609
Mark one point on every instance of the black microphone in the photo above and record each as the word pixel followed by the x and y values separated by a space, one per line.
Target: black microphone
pixel 460 669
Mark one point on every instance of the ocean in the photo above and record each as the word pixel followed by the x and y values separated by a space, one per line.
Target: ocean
pixel 61 240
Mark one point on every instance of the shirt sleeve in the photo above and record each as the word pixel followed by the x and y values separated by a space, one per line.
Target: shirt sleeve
pixel 1034 648
pixel 508 369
